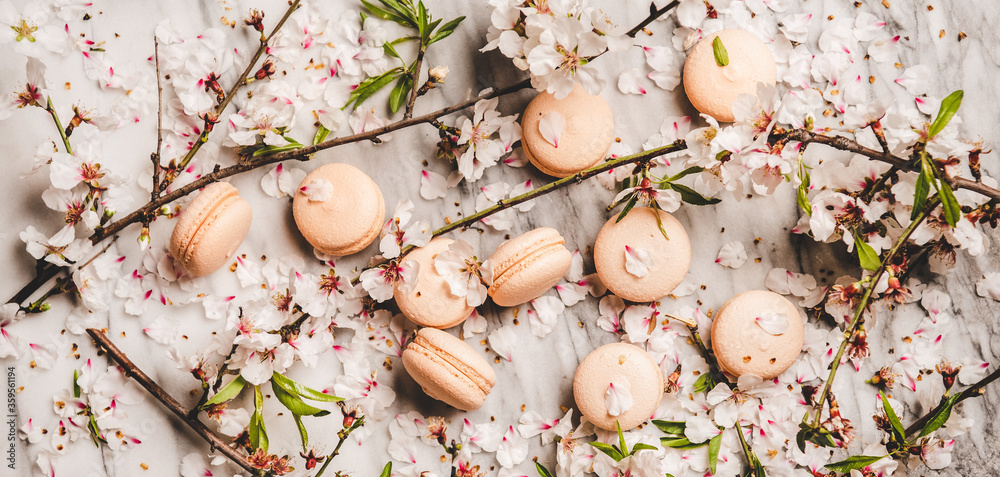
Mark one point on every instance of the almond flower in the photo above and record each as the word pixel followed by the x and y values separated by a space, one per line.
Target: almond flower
pixel 380 281
pixel 551 127
pixel 482 149
pixel 398 236
pixel 465 274
pixel 732 255
pixel 667 200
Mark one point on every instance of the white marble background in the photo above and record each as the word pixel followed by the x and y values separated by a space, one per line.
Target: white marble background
pixel 541 372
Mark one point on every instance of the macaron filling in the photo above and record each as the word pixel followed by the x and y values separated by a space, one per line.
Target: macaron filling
pixel 424 347
pixel 188 248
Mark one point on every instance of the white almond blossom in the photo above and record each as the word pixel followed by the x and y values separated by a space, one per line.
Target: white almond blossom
pixel 466 275
pixel 398 233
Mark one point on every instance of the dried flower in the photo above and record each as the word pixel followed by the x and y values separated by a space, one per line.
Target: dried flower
pixel 256 20
pixel 948 373
pixel 311 458
pixel 437 429
pixel 839 427
pixel 884 377
pixel 266 70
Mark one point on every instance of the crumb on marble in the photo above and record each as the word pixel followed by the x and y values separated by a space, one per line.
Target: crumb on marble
pixel 871 80
pixel 886 4
pixel 523 407
pixel 830 18
pixel 930 7
pixel 941 34
pixel 144 466
pixel 962 35
pixel 496 360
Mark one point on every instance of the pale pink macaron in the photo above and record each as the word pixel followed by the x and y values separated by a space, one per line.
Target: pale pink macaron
pixel 667 259
pixel 584 141
pixel 526 266
pixel 744 345
pixel 346 221
pixel 210 229
pixel 448 369
pixel 636 376
pixel 430 302
pixel 713 89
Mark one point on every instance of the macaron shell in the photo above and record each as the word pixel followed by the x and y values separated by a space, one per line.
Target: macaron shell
pixel 671 258
pixel 526 266
pixel 588 135
pixel 624 362
pixel 218 237
pixel 349 220
pixel 448 369
pixel 743 347
pixel 431 302
pixel 195 213
pixel 713 89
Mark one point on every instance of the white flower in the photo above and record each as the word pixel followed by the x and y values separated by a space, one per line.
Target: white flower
pixel 483 437
pixel 317 190
pixel 551 126
pixel 559 58
pixel 268 114
pixel 9 345
pixel 531 424
pixel 732 255
pixel 398 236
pixel 618 397
pixel 482 150
pixel 30 31
pixel 465 274
pixel 989 286
pixel 544 315
pixel 503 340
pixel 637 261
pixel 700 428
pixel 773 323
pixel 432 185
pixel 512 449
pixel 380 281
pixel 281 181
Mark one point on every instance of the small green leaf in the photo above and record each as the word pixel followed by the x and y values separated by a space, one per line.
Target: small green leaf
pixel 713 452
pixel 608 449
pixel 897 427
pixel 227 392
pixel 390 50
pixel 671 427
pixel 802 198
pixel 256 430
pixel 302 432
pixel 445 31
pixel 855 462
pixel 940 416
pixel 640 446
pixel 721 56
pixel 387 470
pixel 685 172
pixel 302 391
pixel 296 405
pixel 400 93
pixel 758 468
pixel 922 189
pixel 691 197
pixel 628 207
pixel 680 443
pixel 704 383
pixel 370 86
pixel 866 254
pixel 384 14
pixel 422 21
pixel 542 471
pixel 321 134
pixel 76 384
pixel 952 210
pixel 622 446
pixel 268 150
pixel 949 106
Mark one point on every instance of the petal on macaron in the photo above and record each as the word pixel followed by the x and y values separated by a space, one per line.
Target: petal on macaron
pixel 773 323
pixel 637 261
pixel 618 397
pixel 317 190
pixel 551 126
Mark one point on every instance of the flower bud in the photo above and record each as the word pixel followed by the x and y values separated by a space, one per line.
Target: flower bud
pixel 143 239
pixel 437 74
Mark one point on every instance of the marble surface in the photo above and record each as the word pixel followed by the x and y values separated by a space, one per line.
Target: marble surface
pixel 540 375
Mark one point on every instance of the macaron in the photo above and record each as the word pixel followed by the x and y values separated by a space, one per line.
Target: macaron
pixel 713 89
pixel 667 259
pixel 585 140
pixel 526 266
pixel 346 221
pixel 744 345
pixel 210 229
pixel 430 302
pixel 448 369
pixel 632 373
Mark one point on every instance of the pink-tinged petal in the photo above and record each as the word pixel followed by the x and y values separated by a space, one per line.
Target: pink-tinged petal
pixel 551 126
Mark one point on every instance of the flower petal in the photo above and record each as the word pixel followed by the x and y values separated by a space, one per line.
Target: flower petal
pixel 773 323
pixel 618 397
pixel 637 261
pixel 551 126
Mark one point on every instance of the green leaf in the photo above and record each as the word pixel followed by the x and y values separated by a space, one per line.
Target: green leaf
pixel 923 188
pixel 267 150
pixel 257 431
pixel 713 452
pixel 608 449
pixel 686 172
pixel 297 405
pixel 866 254
pixel 949 106
pixel 622 446
pixel 704 383
pixel 952 210
pixel 940 416
pixel 76 384
pixel 387 470
pixel 680 443
pixel 422 20
pixel 227 392
pixel 384 14
pixel 389 50
pixel 758 468
pixel 400 93
pixel 721 55
pixel 370 86
pixel 542 471
pixel 302 432
pixel 406 12
pixel 691 197
pixel 302 391
pixel 640 446
pixel 802 198
pixel 445 31
pixel 671 427
pixel 897 426
pixel 631 203
pixel 854 462
pixel 321 134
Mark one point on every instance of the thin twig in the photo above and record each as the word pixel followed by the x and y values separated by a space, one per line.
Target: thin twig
pixel 55 118
pixel 865 301
pixel 155 157
pixel 415 77
pixel 653 15
pixel 166 399
pixel 971 391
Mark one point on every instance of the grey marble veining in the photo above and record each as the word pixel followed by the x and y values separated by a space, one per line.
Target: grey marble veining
pixel 540 375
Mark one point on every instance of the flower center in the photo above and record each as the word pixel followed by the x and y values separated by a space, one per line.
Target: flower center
pixel 24 31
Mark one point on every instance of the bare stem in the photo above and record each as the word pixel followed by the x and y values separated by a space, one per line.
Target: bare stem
pixel 653 15
pixel 167 400
pixel 415 77
pixel 55 119
pixel 865 301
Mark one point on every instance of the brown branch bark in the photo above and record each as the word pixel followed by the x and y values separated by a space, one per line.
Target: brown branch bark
pixel 167 400
pixel 415 77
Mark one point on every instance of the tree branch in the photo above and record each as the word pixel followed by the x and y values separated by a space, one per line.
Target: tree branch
pixel 415 75
pixel 971 391
pixel 653 15
pixel 167 400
